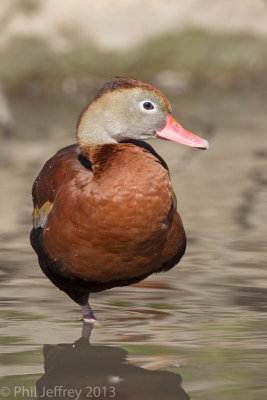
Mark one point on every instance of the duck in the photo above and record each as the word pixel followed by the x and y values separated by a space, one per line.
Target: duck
pixel 104 209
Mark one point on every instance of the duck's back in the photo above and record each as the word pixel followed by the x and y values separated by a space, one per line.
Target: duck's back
pixel 116 225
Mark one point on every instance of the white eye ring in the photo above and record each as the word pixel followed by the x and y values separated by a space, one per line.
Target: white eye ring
pixel 151 107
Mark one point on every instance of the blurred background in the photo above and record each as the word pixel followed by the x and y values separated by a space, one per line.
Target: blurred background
pixel 206 319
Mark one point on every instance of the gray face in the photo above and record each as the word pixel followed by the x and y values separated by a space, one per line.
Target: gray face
pixel 134 113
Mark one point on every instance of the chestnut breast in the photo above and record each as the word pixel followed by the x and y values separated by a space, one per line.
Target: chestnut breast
pixel 114 223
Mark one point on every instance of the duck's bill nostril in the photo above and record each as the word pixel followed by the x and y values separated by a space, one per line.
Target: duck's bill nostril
pixel 175 132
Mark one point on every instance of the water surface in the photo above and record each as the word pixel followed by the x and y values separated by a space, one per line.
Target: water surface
pixel 198 331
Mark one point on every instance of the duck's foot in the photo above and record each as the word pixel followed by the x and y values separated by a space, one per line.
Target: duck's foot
pixel 88 315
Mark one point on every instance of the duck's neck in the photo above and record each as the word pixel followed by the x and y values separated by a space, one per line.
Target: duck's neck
pixel 95 131
pixel 100 155
pixel 91 129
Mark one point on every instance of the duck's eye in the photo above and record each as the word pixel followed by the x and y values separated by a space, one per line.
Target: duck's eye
pixel 148 106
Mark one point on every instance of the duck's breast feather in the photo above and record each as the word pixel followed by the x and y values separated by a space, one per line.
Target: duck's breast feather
pixel 116 228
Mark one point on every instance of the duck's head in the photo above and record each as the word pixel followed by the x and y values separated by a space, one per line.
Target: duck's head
pixel 130 109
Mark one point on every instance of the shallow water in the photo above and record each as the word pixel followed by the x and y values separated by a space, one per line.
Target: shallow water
pixel 198 331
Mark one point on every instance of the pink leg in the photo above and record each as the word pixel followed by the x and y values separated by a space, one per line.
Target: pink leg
pixel 88 315
pixel 87 330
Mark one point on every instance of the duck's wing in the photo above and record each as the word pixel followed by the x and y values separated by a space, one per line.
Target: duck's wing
pixel 63 165
pixel 58 170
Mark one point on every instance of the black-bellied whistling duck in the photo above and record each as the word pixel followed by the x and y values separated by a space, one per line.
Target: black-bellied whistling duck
pixel 104 209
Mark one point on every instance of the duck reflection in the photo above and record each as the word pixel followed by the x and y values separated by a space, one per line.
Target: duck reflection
pixel 80 371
